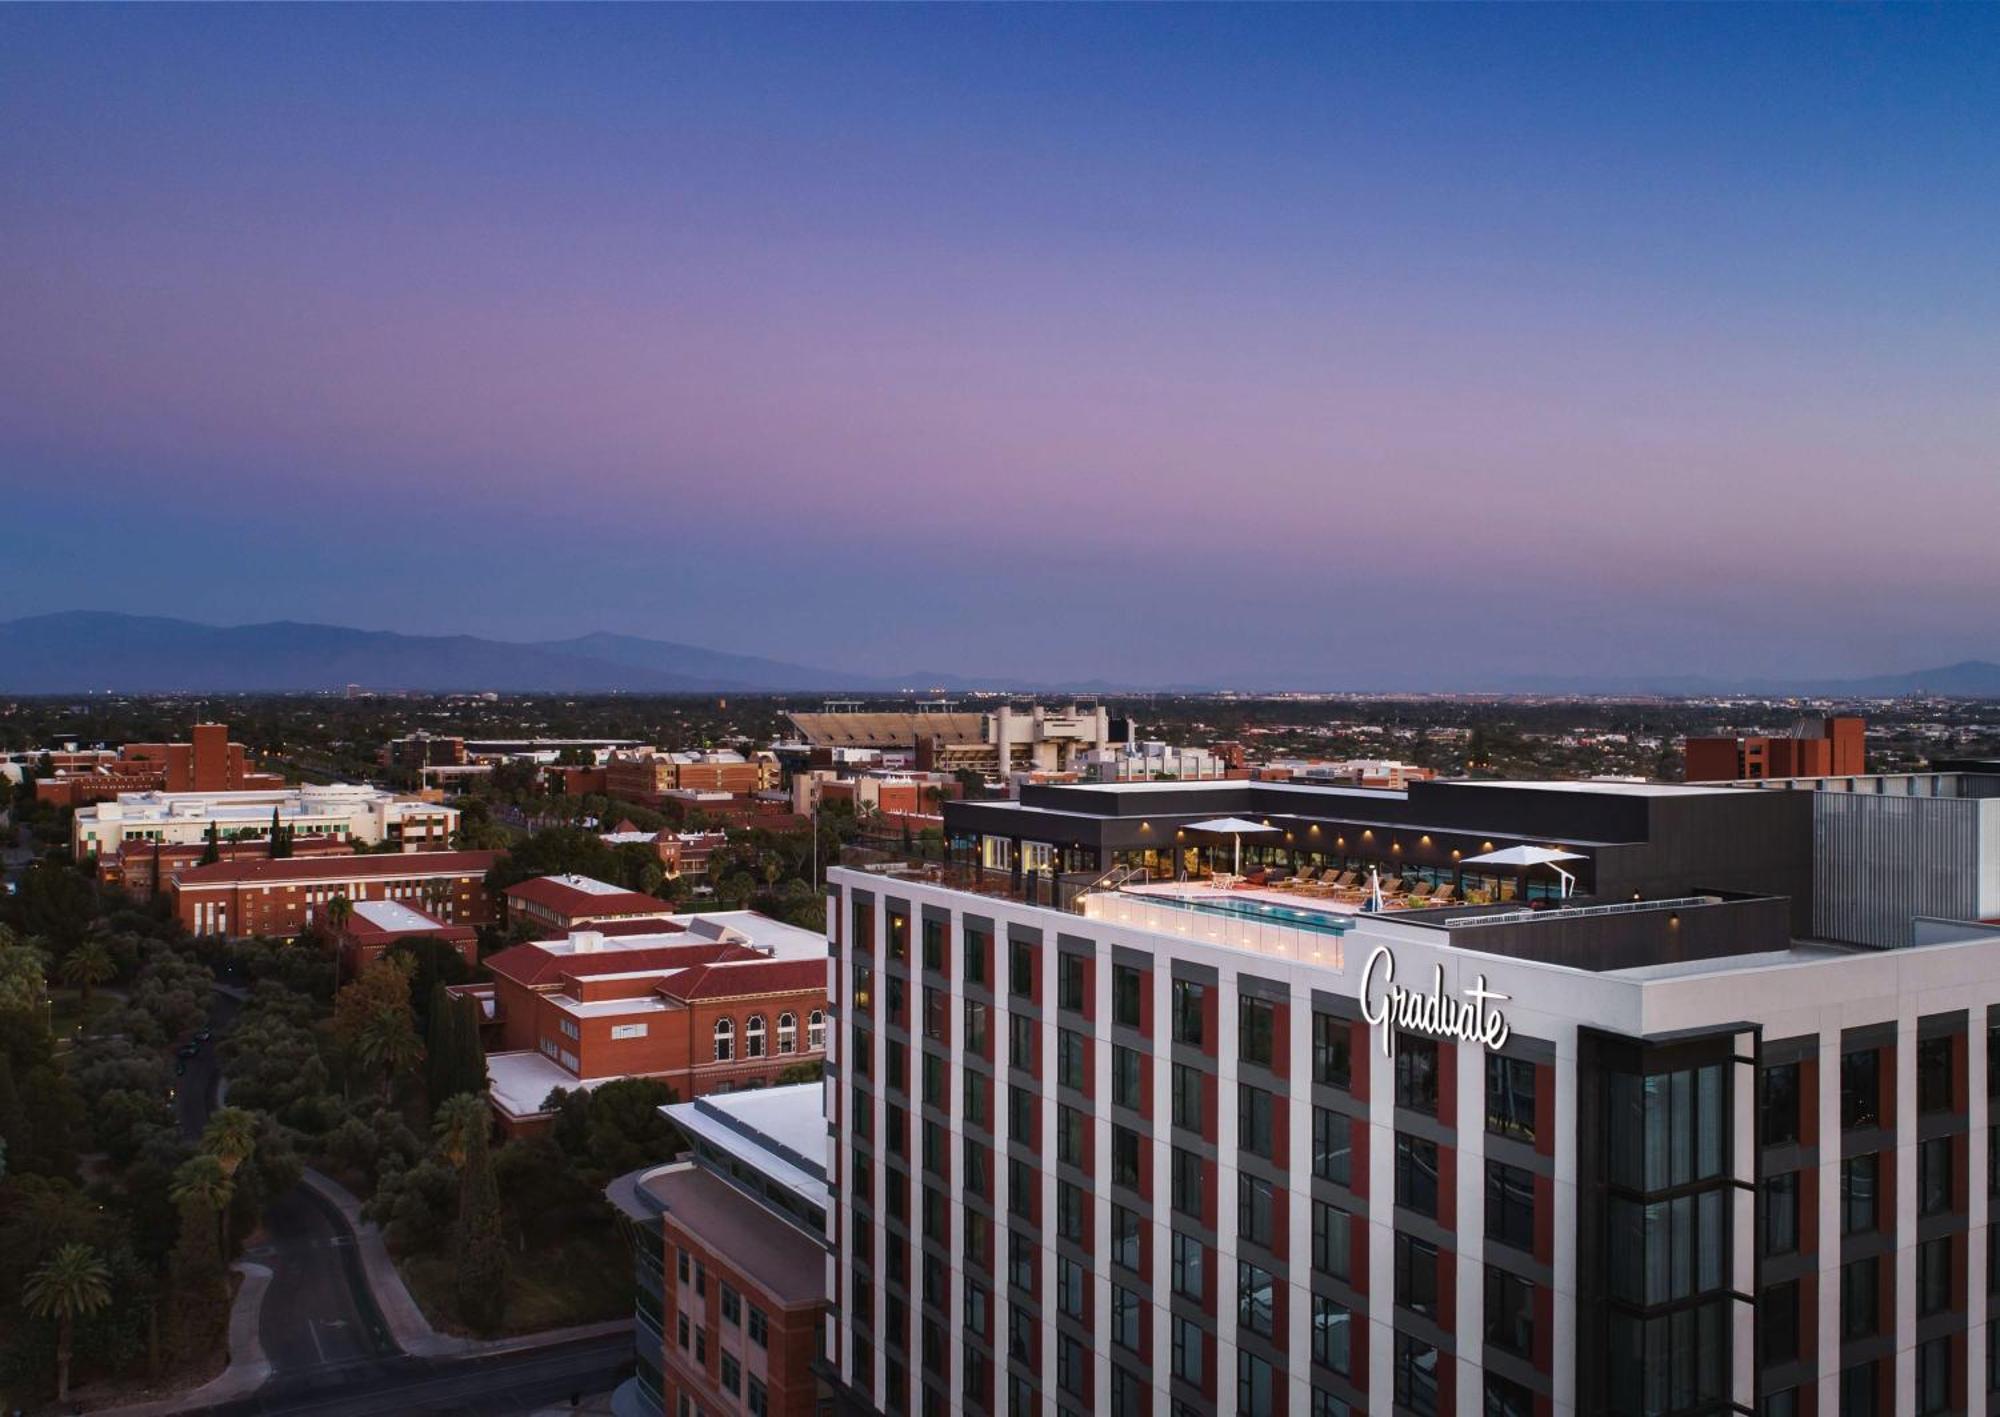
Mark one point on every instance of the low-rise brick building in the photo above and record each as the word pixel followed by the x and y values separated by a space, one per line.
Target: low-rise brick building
pixel 266 897
pixel 558 904
pixel 374 927
pixel 207 762
pixel 141 869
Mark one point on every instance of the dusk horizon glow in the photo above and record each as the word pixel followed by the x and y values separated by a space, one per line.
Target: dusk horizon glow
pixel 1335 347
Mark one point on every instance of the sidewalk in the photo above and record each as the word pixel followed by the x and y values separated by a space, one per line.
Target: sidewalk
pixel 408 1326
pixel 247 1370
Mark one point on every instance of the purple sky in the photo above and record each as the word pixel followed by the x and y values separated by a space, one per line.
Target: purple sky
pixel 1340 347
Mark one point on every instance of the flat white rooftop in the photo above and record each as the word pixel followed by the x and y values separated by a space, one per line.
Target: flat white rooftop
pixel 393 915
pixel 779 1130
pixel 589 885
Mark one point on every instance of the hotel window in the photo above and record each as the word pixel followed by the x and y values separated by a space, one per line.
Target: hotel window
pixel 1857 1391
pixel 1069 1060
pixel 1126 986
pixel 1416 1073
pixel 1934 1176
pixel 1189 1000
pixel 725 1039
pixel 1255 1299
pixel 975 1027
pixel 1510 1206
pixel 1778 1324
pixel 864 988
pixel 1860 1089
pixel 1125 1078
pixel 975 956
pixel 1023 1111
pixel 934 936
pixel 975 1098
pixel 1125 1158
pixel 1933 1276
pixel 1125 1238
pixel 1332 1335
pixel 1510 1097
pixel 1663 1251
pixel 1124 1317
pixel 1069 1136
pixel 1187 1265
pixel 1070 1292
pixel 1859 1293
pixel 1021 970
pixel 1934 1075
pixel 1069 1211
pixel 1187 1183
pixel 1255 1125
pixel 1128 1393
pixel 1933 1377
pixel 937 1015
pixel 1779 1106
pixel 1857 1194
pixel 1256 1027
pixel 1020 1263
pixel 1416 1376
pixel 1333 1146
pixel 1416 1174
pixel 1072 1366
pixel 1667 1129
pixel 1187 1091
pixel 975 1168
pixel 753 1037
pixel 1779 1197
pixel 1021 1041
pixel 1416 1275
pixel 1332 1240
pixel 1256 1208
pixel 1507 1398
pixel 1510 1313
pixel 1253 1383
pixel 1069 982
pixel 1188 1347
pixel 1332 1040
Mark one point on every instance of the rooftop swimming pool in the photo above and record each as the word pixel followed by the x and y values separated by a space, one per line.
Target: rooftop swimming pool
pixel 1262 912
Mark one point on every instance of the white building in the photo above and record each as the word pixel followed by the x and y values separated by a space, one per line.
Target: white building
pixel 366 816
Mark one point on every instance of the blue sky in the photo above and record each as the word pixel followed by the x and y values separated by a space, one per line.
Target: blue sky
pixel 1319 345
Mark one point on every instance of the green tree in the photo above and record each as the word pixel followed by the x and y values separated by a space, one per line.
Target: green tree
pixel 230 1137
pixel 87 966
pixel 389 1041
pixel 627 1129
pixel 481 1244
pixel 23 982
pixel 72 1284
pixel 203 1186
pixel 455 1060
pixel 211 851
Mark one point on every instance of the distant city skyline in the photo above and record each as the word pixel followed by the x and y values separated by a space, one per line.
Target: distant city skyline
pixel 1138 344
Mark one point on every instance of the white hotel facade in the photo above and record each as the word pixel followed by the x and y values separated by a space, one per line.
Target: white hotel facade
pixel 1148 1155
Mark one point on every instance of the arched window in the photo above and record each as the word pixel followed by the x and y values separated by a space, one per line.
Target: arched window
pixel 815 1031
pixel 725 1040
pixel 788 1033
pixel 753 1037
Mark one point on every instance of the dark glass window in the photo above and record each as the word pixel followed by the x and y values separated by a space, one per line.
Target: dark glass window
pixel 1934 1075
pixel 1778 1323
pixel 1125 1237
pixel 1021 969
pixel 1416 1385
pixel 1188 1002
pixel 1255 1209
pixel 1510 1097
pixel 1779 1404
pixel 1187 1265
pixel 1256 1030
pixel 1663 1251
pixel 1416 1275
pixel 1126 986
pixel 1188 1348
pixel 1187 1182
pixel 1934 1276
pixel 1071 1208
pixel 1861 1089
pixel 1332 1334
pixel 1069 1136
pixel 1021 1041
pixel 1857 1194
pixel 1933 1377
pixel 1934 1176
pixel 1510 1205
pixel 1124 1317
pixel 1125 1073
pixel 934 931
pixel 1416 1174
pixel 1859 1292
pixel 976 941
pixel 1070 1053
pixel 1069 982
pixel 1255 1297
pixel 1417 1073
pixel 1858 1390
pixel 1510 1312
pixel 1253 1383
pixel 1333 1145
pixel 1125 1149
pixel 1332 1240
pixel 1331 1042
pixel 1667 1129
pixel 1187 1097
pixel 1779 1196
pixel 1507 1398
pixel 1255 1110
pixel 1779 1106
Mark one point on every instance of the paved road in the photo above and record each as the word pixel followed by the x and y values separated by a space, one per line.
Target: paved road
pixel 488 1386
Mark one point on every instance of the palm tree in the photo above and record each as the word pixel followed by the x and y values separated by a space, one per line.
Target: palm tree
pixel 389 1042
pixel 230 1137
pixel 339 911
pixel 460 1120
pixel 73 1283
pixel 201 1182
pixel 87 966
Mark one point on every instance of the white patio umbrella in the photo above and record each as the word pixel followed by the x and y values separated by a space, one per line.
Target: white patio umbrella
pixel 1235 828
pixel 1525 856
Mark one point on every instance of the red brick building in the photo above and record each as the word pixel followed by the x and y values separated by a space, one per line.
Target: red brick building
pixel 563 903
pixel 1816 747
pixel 207 762
pixel 731 1258
pixel 265 897
pixel 376 926
pixel 707 1003
pixel 138 867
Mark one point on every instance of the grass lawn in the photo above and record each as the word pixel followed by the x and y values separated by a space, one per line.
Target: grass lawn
pixel 585 1280
pixel 66 1010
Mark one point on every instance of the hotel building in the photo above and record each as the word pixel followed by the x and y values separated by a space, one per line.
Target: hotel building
pixel 1188 1146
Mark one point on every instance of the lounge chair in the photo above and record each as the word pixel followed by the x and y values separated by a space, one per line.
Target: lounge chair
pixel 1444 894
pixel 1421 890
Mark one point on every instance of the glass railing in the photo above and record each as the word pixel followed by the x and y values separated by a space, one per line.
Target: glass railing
pixel 1298 934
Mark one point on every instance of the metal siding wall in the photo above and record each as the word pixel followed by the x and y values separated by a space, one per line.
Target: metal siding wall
pixel 1879 861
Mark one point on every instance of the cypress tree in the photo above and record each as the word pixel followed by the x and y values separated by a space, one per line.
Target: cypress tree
pixel 212 852
pixel 481 1245
pixel 13 1119
pixel 470 1052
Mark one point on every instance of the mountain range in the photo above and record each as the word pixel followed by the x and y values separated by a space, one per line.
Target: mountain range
pixel 79 651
